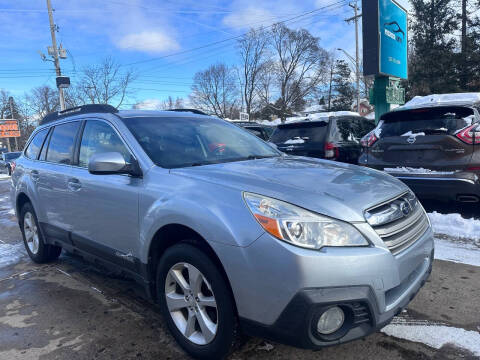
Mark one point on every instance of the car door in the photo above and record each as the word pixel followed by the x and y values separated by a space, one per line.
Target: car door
pixel 104 208
pixel 51 179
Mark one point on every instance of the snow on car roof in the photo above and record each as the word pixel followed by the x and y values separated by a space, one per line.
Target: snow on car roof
pixel 441 100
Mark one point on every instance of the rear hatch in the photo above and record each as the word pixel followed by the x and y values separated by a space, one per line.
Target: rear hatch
pixel 301 139
pixel 422 140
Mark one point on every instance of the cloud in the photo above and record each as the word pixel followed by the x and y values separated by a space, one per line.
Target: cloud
pixel 243 18
pixel 149 104
pixel 148 41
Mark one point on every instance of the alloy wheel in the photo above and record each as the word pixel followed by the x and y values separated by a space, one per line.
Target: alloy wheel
pixel 31 233
pixel 191 303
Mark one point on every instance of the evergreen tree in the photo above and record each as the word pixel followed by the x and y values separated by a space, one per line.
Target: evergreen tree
pixel 433 57
pixel 344 90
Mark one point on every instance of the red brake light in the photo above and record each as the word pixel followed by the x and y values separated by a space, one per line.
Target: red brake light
pixel 368 140
pixel 470 135
pixel 331 151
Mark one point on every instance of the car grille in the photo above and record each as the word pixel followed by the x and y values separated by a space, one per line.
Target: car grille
pixel 399 222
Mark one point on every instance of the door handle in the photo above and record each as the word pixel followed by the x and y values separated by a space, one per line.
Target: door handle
pixel 35 175
pixel 74 184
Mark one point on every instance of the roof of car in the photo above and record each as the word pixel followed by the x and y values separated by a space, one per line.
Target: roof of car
pixel 438 100
pixel 104 108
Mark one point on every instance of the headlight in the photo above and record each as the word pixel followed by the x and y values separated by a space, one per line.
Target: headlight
pixel 301 227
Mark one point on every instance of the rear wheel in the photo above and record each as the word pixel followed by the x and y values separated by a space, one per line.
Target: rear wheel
pixel 196 302
pixel 35 244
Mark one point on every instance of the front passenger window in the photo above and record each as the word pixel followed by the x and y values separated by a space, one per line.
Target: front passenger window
pixel 99 137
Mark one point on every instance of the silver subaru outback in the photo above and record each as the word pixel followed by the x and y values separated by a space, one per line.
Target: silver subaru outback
pixel 227 234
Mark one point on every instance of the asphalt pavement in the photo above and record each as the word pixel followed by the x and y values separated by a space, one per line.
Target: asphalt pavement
pixel 71 309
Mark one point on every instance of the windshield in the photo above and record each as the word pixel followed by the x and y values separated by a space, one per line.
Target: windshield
pixel 180 142
pixel 433 121
pixel 299 133
pixel 11 156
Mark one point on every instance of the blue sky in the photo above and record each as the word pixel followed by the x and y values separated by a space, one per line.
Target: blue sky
pixel 155 38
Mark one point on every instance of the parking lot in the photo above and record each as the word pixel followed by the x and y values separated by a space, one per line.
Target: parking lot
pixel 71 309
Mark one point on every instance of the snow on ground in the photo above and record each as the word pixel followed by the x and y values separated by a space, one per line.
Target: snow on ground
pixel 4 176
pixel 10 254
pixel 456 251
pixel 433 334
pixel 455 225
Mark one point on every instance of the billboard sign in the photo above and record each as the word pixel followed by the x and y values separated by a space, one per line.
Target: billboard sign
pixel 9 128
pixel 385 38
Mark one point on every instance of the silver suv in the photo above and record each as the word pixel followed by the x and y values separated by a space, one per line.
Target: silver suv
pixel 227 234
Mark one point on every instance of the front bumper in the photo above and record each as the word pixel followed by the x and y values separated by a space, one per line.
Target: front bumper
pixel 290 285
pixel 296 324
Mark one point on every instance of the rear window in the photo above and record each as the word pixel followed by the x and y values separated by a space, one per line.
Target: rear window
pixel 434 121
pixel 300 133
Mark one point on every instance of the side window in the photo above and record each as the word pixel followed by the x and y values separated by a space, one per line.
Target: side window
pixel 36 144
pixel 62 143
pixel 345 129
pixel 99 137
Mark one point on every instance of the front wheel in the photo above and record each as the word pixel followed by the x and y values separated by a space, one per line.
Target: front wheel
pixel 37 249
pixel 196 302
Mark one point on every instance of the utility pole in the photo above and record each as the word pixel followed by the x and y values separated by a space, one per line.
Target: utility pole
pixel 463 76
pixel 56 60
pixel 355 18
pixel 10 100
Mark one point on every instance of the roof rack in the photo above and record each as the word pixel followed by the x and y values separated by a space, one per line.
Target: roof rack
pixel 83 109
pixel 195 111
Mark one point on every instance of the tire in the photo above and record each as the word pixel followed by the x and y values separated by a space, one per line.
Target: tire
pixel 186 259
pixel 33 239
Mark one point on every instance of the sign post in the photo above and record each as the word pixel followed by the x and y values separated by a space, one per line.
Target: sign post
pixel 385 52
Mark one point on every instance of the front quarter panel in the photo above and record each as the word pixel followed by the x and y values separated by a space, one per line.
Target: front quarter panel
pixel 217 213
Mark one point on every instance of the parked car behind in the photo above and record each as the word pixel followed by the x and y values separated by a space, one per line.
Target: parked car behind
pixel 262 131
pixel 431 144
pixel 226 239
pixel 333 138
pixel 6 160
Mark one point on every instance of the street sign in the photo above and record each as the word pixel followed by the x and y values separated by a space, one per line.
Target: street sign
pixel 385 38
pixel 9 128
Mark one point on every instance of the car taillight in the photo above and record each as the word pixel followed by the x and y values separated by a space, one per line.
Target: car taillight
pixel 331 151
pixel 368 140
pixel 13 165
pixel 470 135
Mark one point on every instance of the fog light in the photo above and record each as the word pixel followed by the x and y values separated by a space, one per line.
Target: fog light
pixel 330 321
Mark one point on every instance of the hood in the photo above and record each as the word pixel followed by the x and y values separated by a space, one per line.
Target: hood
pixel 333 189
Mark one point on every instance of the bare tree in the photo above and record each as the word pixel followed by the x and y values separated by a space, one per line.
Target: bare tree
pixel 214 91
pixel 105 83
pixel 253 49
pixel 42 100
pixel 300 65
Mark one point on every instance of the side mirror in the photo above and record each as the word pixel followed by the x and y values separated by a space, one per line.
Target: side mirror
pixel 112 163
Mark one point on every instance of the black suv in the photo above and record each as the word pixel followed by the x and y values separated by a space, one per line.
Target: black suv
pixel 432 146
pixel 334 138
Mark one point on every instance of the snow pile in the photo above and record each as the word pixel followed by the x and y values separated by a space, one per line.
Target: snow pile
pixel 455 225
pixel 10 254
pixel 416 171
pixel 4 176
pixel 443 99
